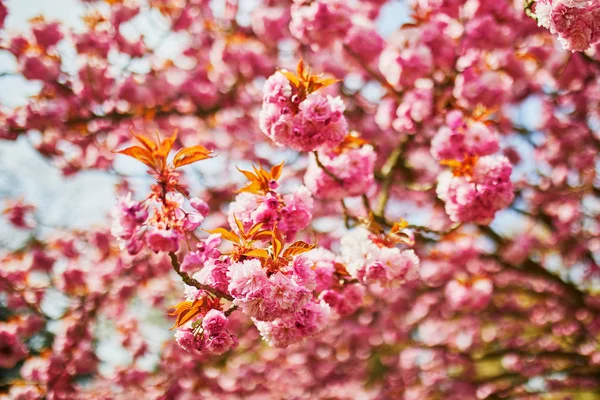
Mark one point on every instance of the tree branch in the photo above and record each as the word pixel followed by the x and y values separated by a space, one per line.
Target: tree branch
pixel 188 280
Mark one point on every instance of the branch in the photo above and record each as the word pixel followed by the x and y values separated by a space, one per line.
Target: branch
pixel 374 74
pixel 188 280
pixel 327 171
pixel 386 175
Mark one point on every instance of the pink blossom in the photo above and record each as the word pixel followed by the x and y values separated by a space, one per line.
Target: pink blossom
pixel 462 137
pixel 47 34
pixel 303 273
pixel 368 261
pixel 214 322
pixel 353 166
pixel 270 23
pixel 220 343
pixel 39 68
pixel 318 22
pixel 316 122
pixel 363 39
pixel 205 249
pixel 401 68
pixel 200 205
pixel 128 217
pixel 214 273
pixel 20 214
pixel 477 198
pixel 470 296
pixel 165 240
pixel 292 329
pixel 11 349
pixel 416 107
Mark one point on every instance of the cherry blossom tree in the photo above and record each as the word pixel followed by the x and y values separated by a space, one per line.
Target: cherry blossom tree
pixel 330 211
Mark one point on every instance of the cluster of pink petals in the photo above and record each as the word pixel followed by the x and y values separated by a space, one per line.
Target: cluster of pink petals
pixel 319 22
pixel 20 214
pixel 369 262
pixel 267 297
pixel 469 296
pixel 211 337
pixel 270 23
pixel 205 250
pixel 128 218
pixel 402 67
pixel 11 348
pixel 316 122
pixel 291 212
pixel 476 198
pixel 575 22
pixel 295 327
pixel 354 167
pixel 461 137
pixel 481 189
pixel 133 228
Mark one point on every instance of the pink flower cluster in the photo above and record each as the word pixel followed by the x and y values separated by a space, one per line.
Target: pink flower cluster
pixel 267 297
pixel 206 250
pixel 354 167
pixel 304 124
pixel 128 219
pixel 208 337
pixel 293 328
pixel 368 260
pixel 11 348
pixel 469 295
pixel 163 230
pixel 20 214
pixel 576 22
pixel 319 22
pixel 461 137
pixel 478 196
pixel 402 67
pixel 291 212
pixel 478 186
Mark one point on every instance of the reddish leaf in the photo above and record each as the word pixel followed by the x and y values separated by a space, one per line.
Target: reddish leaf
pixel 189 155
pixel 140 154
pixel 298 247
pixel 260 253
pixel 225 234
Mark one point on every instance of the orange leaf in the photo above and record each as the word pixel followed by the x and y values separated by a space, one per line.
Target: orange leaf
pixel 186 311
pixel 166 146
pixel 260 253
pixel 301 70
pixel 147 143
pixel 249 175
pixel 240 226
pixel 254 187
pixel 225 234
pixel 255 229
pixel 189 155
pixel 277 246
pixel 298 247
pixel 291 77
pixel 140 154
pixel 262 235
pixel 276 171
pixel 398 226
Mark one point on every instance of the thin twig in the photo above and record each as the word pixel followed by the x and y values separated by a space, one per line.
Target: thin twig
pixel 327 171
pixel 188 280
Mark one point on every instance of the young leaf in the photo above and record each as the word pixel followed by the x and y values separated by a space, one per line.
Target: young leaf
pixel 225 234
pixel 298 247
pixel 189 155
pixel 276 171
pixel 260 253
pixel 140 154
